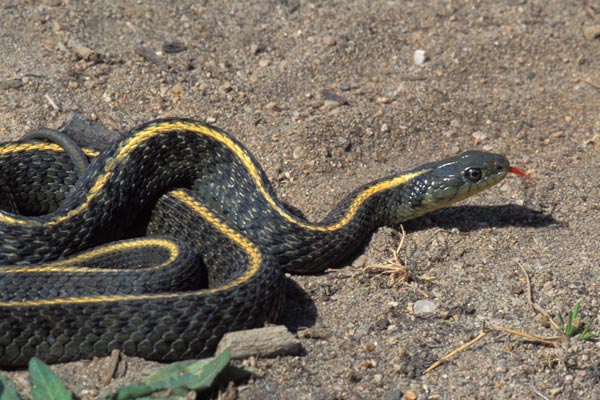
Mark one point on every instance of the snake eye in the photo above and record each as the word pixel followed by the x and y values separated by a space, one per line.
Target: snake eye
pixel 473 174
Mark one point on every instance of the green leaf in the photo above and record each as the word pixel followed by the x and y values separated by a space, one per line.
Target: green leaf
pixel 586 334
pixel 200 375
pixel 177 378
pixel 576 309
pixel 562 321
pixel 45 385
pixel 7 391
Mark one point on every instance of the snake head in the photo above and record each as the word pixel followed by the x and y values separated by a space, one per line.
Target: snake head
pixel 442 183
pixel 456 178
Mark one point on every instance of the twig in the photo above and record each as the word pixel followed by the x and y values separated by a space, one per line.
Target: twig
pixel 588 81
pixel 110 370
pixel 84 52
pixel 393 265
pixel 548 340
pixel 448 356
pixel 534 389
pixel 52 102
pixel 590 11
pixel 536 306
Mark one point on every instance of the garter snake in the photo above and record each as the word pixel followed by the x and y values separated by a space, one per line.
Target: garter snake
pixel 174 236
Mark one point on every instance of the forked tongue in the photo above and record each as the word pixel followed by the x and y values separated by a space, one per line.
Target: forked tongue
pixel 522 174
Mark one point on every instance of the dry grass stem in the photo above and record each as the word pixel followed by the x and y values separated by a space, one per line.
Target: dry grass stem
pixel 454 352
pixel 536 306
pixel 393 266
pixel 588 81
pixel 547 340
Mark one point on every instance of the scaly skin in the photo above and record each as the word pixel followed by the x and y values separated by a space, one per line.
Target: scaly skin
pixel 225 211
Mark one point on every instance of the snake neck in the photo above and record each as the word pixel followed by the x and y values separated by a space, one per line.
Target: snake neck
pixel 305 247
pixel 388 201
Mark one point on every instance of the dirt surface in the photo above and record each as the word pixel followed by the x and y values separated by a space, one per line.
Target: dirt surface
pixel 327 95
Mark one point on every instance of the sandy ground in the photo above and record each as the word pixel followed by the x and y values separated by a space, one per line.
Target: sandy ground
pixel 327 95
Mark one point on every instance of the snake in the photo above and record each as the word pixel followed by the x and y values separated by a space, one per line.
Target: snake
pixel 173 236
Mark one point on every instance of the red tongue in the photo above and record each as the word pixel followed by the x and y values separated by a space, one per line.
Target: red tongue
pixel 517 171
pixel 521 173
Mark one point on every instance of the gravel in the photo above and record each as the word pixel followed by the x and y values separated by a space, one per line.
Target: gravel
pixel 327 96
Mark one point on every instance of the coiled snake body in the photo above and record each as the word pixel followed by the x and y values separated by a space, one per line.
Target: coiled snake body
pixel 210 239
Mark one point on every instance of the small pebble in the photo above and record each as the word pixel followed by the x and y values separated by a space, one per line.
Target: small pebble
pixel 479 136
pixel 355 377
pixel 56 28
pixel 90 393
pixel 501 365
pixel 273 106
pixel 385 128
pixel 149 55
pixel 285 176
pixel 225 87
pixel 592 32
pixel 173 46
pixel 449 134
pixel 52 3
pixel 410 395
pixel 163 90
pixel 360 261
pixel 11 84
pixel 555 391
pixel 393 394
pixel 419 57
pixel 390 305
pixel 424 307
pixel 328 95
pixel 297 153
pixel 382 324
pixel 255 48
pixel 177 89
pixel 329 41
pixel 362 331
pixel 330 105
pixel 344 87
pixel 346 144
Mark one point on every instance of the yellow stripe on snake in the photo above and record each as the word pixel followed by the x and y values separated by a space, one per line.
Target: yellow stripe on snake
pixel 173 237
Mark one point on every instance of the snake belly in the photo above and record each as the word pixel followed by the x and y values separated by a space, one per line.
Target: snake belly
pixel 79 277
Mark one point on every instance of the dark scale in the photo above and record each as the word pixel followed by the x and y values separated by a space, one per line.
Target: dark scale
pixel 417 190
pixel 191 189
